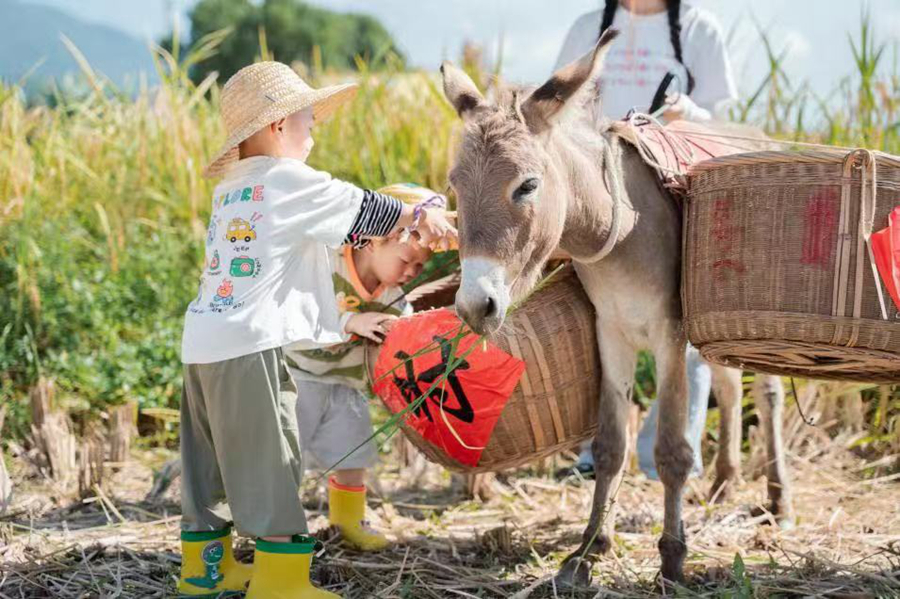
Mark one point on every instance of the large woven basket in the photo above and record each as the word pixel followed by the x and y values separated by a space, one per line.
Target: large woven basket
pixel 777 275
pixel 436 294
pixel 554 406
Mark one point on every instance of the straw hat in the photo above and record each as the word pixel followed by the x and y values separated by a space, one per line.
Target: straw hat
pixel 263 93
pixel 412 194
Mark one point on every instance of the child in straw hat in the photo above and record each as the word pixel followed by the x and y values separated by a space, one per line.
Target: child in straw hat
pixel 332 409
pixel 266 284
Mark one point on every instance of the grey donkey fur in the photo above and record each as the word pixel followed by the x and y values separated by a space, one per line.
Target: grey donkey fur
pixel 529 180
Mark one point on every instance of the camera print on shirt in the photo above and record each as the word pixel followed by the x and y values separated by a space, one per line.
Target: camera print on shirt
pixel 240 234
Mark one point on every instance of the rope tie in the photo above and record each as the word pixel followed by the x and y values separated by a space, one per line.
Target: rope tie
pixel 614 186
pixel 869 203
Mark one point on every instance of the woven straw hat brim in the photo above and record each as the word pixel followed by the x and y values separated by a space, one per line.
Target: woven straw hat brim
pixel 323 102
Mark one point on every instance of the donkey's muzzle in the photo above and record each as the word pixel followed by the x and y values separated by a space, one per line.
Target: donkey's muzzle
pixel 483 296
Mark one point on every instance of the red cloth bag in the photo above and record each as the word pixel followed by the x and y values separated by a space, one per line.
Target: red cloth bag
pixel 460 413
pixel 886 249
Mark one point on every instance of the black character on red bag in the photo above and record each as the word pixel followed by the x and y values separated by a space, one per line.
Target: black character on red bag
pixel 411 390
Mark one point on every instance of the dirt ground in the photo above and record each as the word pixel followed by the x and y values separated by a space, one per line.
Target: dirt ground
pixel 846 542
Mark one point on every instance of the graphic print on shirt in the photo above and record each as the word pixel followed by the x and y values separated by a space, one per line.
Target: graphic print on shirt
pixel 215 263
pixel 240 230
pixel 241 194
pixel 349 301
pixel 244 266
pixel 211 231
pixel 224 294
pixel 642 68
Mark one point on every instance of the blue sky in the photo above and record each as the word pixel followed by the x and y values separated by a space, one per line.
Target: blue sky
pixel 815 31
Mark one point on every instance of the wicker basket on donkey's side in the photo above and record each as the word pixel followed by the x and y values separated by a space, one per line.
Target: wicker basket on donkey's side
pixel 554 406
pixel 777 276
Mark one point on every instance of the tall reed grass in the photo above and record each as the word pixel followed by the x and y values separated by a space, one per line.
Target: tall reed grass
pixel 104 209
pixel 103 206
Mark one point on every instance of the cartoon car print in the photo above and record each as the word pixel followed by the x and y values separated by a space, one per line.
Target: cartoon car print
pixel 239 229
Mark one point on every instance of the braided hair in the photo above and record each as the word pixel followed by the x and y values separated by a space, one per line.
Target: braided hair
pixel 674 12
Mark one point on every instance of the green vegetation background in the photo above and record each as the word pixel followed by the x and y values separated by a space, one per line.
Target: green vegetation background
pixel 103 208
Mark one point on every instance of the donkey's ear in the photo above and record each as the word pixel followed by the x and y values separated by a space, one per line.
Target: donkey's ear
pixel 461 91
pixel 545 105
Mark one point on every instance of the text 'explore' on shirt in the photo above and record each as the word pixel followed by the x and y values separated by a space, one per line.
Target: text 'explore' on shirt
pixel 345 363
pixel 640 57
pixel 266 280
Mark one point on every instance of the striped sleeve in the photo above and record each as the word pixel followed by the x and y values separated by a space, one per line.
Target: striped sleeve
pixel 377 217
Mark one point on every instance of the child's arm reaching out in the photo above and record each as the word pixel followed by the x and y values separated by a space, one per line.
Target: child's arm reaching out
pixel 335 212
pixel 381 216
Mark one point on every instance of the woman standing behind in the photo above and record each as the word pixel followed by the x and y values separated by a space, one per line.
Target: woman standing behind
pixel 659 37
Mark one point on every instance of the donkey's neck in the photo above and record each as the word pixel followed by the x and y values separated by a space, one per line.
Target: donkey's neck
pixel 579 153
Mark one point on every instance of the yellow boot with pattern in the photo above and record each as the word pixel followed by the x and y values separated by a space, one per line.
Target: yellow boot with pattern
pixel 281 570
pixel 208 567
pixel 347 511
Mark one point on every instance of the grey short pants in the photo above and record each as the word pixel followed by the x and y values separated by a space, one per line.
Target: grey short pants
pixel 240 450
pixel 334 420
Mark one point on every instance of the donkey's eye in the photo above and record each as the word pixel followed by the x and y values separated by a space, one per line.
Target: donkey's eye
pixel 526 189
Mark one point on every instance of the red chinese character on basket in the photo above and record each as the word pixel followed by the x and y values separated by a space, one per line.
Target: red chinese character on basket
pixel 723 236
pixel 455 411
pixel 819 227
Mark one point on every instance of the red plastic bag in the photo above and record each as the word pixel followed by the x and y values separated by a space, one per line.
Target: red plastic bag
pixel 886 249
pixel 460 413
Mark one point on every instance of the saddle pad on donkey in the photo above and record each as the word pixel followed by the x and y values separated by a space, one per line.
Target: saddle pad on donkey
pixel 673 148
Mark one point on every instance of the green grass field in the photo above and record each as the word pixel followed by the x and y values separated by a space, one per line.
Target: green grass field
pixel 103 207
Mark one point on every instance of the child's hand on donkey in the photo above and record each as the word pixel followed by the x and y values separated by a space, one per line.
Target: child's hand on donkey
pixel 371 325
pixel 436 229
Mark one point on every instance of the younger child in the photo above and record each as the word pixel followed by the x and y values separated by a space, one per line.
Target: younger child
pixel 332 409
pixel 266 284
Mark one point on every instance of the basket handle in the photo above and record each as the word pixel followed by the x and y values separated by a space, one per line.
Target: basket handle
pixel 868 165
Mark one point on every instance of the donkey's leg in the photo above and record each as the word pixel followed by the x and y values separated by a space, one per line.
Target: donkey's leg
pixel 729 393
pixel 619 360
pixel 674 457
pixel 768 393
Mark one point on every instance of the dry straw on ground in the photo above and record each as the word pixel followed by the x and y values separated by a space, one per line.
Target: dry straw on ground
pixel 846 542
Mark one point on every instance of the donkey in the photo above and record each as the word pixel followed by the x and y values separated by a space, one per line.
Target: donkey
pixel 533 173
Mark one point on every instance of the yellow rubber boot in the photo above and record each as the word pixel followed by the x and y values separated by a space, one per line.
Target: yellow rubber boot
pixel 281 571
pixel 208 567
pixel 347 511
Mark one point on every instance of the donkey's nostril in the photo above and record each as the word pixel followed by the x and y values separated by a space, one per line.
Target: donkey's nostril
pixel 490 308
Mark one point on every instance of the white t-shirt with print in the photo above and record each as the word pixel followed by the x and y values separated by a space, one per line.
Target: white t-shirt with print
pixel 642 55
pixel 266 281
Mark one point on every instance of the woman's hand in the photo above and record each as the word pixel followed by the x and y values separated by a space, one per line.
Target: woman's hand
pixel 675 107
pixel 681 107
pixel 371 325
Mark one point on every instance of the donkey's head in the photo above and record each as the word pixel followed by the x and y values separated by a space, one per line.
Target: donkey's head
pixel 512 187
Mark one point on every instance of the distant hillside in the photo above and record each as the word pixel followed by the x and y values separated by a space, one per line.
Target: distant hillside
pixel 32 32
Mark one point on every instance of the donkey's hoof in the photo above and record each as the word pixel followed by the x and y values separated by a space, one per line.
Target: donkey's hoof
pixel 672 551
pixel 575 573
